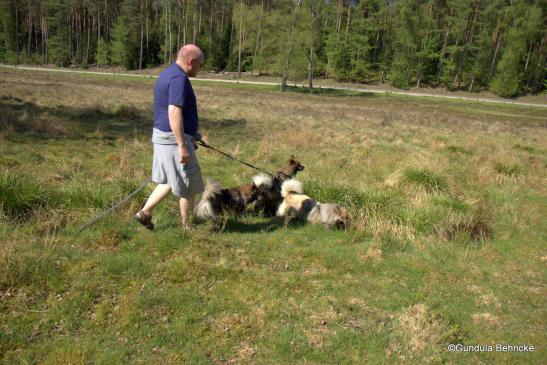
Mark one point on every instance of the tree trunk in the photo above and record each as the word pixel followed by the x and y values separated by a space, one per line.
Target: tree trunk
pixel 528 55
pixel 17 31
pixel 179 15
pixel 166 37
pixel 339 16
pixel 106 22
pixel 376 48
pixel 541 64
pixel 471 85
pixel 89 30
pixel 211 28
pixel 468 41
pixel 98 36
pixel 347 24
pixel 310 70
pixel 424 44
pixel 142 34
pixel 36 38
pixel 223 15
pixel 240 38
pixel 443 49
pixel 69 25
pixel 170 17
pixel 199 22
pixel 29 23
pixel 283 85
pixel 314 17
pixel 185 24
pixel 258 33
pixel 498 42
pixel 194 25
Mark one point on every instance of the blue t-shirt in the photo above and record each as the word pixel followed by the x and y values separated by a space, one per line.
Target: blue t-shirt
pixel 173 88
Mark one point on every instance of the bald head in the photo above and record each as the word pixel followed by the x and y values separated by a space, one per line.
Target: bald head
pixel 190 52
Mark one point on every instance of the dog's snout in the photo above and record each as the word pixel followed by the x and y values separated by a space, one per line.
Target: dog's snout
pixel 340 224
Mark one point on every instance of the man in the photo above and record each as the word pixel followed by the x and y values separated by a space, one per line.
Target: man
pixel 175 167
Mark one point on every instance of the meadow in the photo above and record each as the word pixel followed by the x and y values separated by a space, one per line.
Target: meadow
pixel 446 245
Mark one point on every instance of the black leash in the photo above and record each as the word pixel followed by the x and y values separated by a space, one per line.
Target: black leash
pixel 201 143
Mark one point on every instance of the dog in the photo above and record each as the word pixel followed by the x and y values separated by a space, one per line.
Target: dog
pixel 296 203
pixel 269 199
pixel 215 201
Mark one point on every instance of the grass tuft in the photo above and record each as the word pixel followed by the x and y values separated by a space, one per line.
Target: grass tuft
pixel 127 112
pixel 512 170
pixel 529 149
pixel 21 195
pixel 457 149
pixel 425 179
pixel 476 226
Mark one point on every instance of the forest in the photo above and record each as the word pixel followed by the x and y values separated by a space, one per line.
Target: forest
pixel 473 45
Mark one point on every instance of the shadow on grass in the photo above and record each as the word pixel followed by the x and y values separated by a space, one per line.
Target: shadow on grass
pixel 236 225
pixel 29 120
pixel 331 92
pixel 20 119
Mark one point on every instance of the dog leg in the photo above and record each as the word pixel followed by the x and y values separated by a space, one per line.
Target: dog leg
pixel 282 210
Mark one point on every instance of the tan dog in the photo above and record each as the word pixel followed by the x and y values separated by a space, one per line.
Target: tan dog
pixel 305 208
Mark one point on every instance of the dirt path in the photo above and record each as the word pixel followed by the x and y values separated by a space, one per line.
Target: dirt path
pixel 347 88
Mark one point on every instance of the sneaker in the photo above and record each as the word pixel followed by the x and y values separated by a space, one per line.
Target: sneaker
pixel 145 219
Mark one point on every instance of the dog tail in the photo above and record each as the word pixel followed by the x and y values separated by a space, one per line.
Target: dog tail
pixel 263 180
pixel 204 209
pixel 291 186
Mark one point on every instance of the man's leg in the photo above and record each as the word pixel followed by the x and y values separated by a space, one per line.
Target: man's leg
pixel 186 209
pixel 159 193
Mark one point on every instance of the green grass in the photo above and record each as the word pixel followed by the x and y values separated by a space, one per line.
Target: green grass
pixel 446 243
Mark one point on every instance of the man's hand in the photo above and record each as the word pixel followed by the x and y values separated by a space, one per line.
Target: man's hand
pixel 184 155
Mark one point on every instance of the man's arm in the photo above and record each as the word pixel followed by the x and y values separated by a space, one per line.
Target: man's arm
pixel 175 122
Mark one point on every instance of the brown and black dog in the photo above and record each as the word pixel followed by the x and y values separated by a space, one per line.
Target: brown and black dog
pixel 270 197
pixel 215 200
pixel 264 193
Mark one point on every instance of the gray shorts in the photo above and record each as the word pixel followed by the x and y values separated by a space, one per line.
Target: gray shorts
pixel 185 180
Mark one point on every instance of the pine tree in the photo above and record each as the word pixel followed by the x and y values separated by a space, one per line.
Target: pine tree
pixel 509 70
pixel 119 44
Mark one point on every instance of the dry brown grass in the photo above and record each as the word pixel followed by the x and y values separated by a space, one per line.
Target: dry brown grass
pixel 418 332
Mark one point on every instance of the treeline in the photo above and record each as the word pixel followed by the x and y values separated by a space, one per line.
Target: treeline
pixel 461 44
